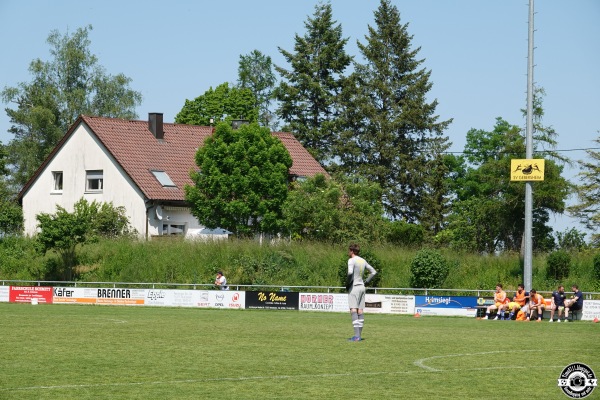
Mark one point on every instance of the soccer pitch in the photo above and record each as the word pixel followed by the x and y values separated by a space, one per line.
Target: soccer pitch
pixel 116 352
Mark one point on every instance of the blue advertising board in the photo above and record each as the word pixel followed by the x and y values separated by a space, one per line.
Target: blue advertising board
pixel 446 305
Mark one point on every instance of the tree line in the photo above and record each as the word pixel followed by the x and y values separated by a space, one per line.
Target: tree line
pixel 366 118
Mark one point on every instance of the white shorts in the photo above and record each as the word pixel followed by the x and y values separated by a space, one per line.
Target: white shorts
pixel 356 297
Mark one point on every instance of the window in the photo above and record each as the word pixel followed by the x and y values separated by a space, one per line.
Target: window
pixel 94 181
pixel 163 178
pixel 57 181
pixel 173 229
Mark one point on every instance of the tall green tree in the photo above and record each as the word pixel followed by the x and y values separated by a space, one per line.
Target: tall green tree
pixel 70 84
pixel 242 180
pixel 323 209
pixel 487 215
pixel 224 103
pixel 11 214
pixel 391 134
pixel 308 91
pixel 63 231
pixel 255 72
pixel 587 210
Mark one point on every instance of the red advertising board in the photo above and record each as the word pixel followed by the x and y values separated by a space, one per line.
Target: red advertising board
pixel 24 294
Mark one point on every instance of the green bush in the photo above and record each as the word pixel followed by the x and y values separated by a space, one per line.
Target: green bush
pixel 558 265
pixel 429 269
pixel 404 234
pixel 597 266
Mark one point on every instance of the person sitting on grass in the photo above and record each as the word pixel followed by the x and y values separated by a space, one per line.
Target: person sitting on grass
pixel 499 300
pixel 537 304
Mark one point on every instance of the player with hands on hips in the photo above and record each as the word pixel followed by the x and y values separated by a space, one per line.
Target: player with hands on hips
pixel 356 289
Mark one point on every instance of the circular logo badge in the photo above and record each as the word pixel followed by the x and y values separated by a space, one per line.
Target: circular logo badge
pixel 577 381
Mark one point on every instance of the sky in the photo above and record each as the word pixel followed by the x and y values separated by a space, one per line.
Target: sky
pixel 476 51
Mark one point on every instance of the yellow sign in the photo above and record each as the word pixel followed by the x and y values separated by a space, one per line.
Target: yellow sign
pixel 527 169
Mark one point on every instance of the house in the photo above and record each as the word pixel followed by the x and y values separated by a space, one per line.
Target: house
pixel 140 165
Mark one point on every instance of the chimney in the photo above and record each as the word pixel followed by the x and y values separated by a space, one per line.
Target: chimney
pixel 155 125
pixel 236 123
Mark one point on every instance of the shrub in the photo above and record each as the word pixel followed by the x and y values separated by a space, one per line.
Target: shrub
pixel 404 234
pixel 597 266
pixel 429 269
pixel 558 265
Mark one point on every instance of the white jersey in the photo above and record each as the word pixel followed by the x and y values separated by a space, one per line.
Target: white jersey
pixel 356 269
pixel 223 283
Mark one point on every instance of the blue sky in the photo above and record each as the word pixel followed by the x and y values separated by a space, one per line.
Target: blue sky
pixel 476 51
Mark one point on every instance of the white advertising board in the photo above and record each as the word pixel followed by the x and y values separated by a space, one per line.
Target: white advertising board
pixel 330 302
pixel 150 297
pixel 389 304
pixel 4 294
pixel 109 296
pixel 447 312
pixel 591 310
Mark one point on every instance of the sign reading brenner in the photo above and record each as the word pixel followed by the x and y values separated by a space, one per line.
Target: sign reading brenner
pixel 99 296
pixel 273 300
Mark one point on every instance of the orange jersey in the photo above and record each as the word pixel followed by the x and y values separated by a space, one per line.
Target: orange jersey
pixel 500 297
pixel 537 299
pixel 520 298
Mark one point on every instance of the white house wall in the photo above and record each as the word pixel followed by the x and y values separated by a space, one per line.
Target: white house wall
pixel 80 153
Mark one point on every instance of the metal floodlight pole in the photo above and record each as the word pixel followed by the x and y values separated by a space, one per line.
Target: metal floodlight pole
pixel 529 155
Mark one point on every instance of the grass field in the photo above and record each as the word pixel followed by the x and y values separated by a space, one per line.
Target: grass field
pixel 107 352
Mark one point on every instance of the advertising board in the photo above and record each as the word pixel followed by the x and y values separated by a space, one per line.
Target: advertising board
pixel 25 294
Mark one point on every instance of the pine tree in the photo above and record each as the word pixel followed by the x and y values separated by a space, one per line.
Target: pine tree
pixel 255 72
pixel 588 193
pixel 308 91
pixel 70 84
pixel 391 134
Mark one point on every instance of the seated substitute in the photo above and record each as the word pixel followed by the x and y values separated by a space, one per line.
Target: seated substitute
pixel 537 304
pixel 575 303
pixel 558 303
pixel 519 300
pixel 499 299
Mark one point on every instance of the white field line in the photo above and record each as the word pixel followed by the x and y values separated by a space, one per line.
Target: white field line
pixel 421 362
pixel 256 378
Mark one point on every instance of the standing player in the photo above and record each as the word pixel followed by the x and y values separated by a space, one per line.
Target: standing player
pixel 356 289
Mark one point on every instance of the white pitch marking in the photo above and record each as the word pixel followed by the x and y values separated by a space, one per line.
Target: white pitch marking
pixel 421 362
pixel 273 377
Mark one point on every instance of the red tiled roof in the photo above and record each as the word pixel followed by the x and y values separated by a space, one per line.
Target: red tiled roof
pixel 138 152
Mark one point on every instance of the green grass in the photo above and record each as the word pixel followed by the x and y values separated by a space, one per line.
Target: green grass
pixel 106 352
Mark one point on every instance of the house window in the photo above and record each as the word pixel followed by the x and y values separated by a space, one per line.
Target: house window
pixel 94 181
pixel 163 178
pixel 57 181
pixel 173 229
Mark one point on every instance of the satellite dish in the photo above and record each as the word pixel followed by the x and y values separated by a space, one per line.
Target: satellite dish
pixel 159 213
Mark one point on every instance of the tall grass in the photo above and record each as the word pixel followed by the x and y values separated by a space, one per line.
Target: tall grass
pixel 285 264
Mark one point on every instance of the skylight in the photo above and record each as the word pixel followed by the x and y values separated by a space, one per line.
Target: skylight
pixel 163 178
